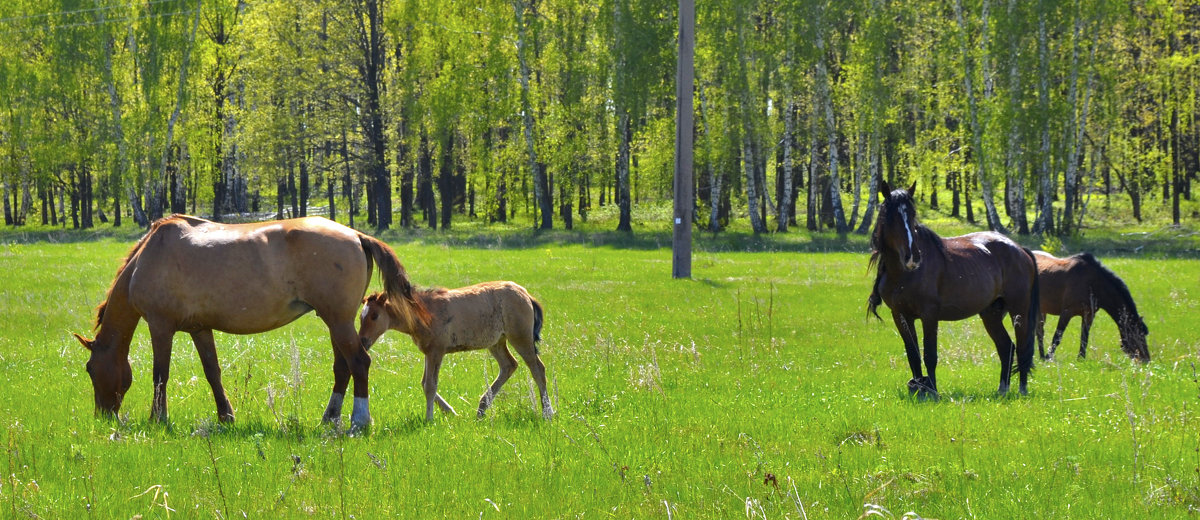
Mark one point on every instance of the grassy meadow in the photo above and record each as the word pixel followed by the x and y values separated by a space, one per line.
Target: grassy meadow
pixel 758 389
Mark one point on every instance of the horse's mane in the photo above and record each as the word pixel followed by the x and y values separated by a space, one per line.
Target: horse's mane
pixel 1105 273
pixel 130 257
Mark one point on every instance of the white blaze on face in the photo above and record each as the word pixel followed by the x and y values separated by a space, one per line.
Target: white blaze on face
pixel 364 311
pixel 907 229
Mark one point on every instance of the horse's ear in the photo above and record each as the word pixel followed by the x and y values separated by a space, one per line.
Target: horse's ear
pixel 912 190
pixel 884 189
pixel 87 343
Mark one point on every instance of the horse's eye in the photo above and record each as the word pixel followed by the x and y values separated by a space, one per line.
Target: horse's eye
pixel 374 316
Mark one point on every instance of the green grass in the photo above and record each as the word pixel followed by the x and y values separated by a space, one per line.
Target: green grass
pixel 675 398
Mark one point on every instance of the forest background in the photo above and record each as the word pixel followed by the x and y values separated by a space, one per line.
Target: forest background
pixel 1017 115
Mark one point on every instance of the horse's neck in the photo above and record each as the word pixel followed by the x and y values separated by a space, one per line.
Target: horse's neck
pixel 1109 299
pixel 120 319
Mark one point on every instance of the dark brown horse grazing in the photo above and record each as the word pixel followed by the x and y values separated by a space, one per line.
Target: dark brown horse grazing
pixel 922 276
pixel 1077 286
pixel 188 274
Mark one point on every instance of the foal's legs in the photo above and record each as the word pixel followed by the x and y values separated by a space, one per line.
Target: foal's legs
pixel 993 322
pixel 433 364
pixel 508 365
pixel 160 338
pixel 528 351
pixel 207 349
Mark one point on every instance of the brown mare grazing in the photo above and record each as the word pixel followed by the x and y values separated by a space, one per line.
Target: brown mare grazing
pixel 1077 286
pixel 922 276
pixel 191 275
pixel 482 316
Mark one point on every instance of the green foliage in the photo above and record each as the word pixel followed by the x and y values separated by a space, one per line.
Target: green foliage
pixel 269 89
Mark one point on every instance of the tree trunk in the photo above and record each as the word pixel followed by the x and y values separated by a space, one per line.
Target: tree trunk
pixel 445 179
pixel 826 100
pixel 541 192
pixel 977 126
pixel 1045 217
pixel 785 196
pixel 623 201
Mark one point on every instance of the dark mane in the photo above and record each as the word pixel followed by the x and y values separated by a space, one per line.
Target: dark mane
pixel 129 258
pixel 929 236
pixel 1106 274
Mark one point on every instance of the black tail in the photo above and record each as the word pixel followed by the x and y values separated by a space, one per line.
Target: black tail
pixel 537 320
pixel 1035 314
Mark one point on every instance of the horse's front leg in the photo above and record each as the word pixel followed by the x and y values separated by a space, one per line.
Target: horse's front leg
pixel 341 379
pixel 206 347
pixel 1063 320
pixel 1084 328
pixel 930 331
pixel 358 364
pixel 160 338
pixel 908 333
pixel 429 382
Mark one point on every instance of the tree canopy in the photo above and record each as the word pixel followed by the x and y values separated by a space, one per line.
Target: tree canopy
pixel 422 113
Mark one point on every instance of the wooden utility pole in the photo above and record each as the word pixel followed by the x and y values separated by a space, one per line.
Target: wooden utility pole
pixel 681 262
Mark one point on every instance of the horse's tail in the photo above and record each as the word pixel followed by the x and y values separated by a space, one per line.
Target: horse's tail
pixel 537 320
pixel 395 280
pixel 1035 314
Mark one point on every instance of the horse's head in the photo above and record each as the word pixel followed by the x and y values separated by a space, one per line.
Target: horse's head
pixel 111 376
pixel 896 228
pixel 1133 336
pixel 375 319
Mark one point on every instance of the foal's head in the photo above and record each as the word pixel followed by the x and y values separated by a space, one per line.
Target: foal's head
pixel 896 228
pixel 376 318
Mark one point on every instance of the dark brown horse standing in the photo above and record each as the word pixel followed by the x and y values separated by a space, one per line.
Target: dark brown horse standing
pixel 922 276
pixel 191 275
pixel 1077 286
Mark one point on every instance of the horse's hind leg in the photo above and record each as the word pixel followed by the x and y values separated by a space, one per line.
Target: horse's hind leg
pixel 1040 331
pixel 206 347
pixel 1058 332
pixel 993 322
pixel 527 349
pixel 160 338
pixel 508 365
pixel 1021 327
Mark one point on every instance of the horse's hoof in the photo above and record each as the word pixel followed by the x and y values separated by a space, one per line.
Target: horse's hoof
pixel 226 418
pixel 921 387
